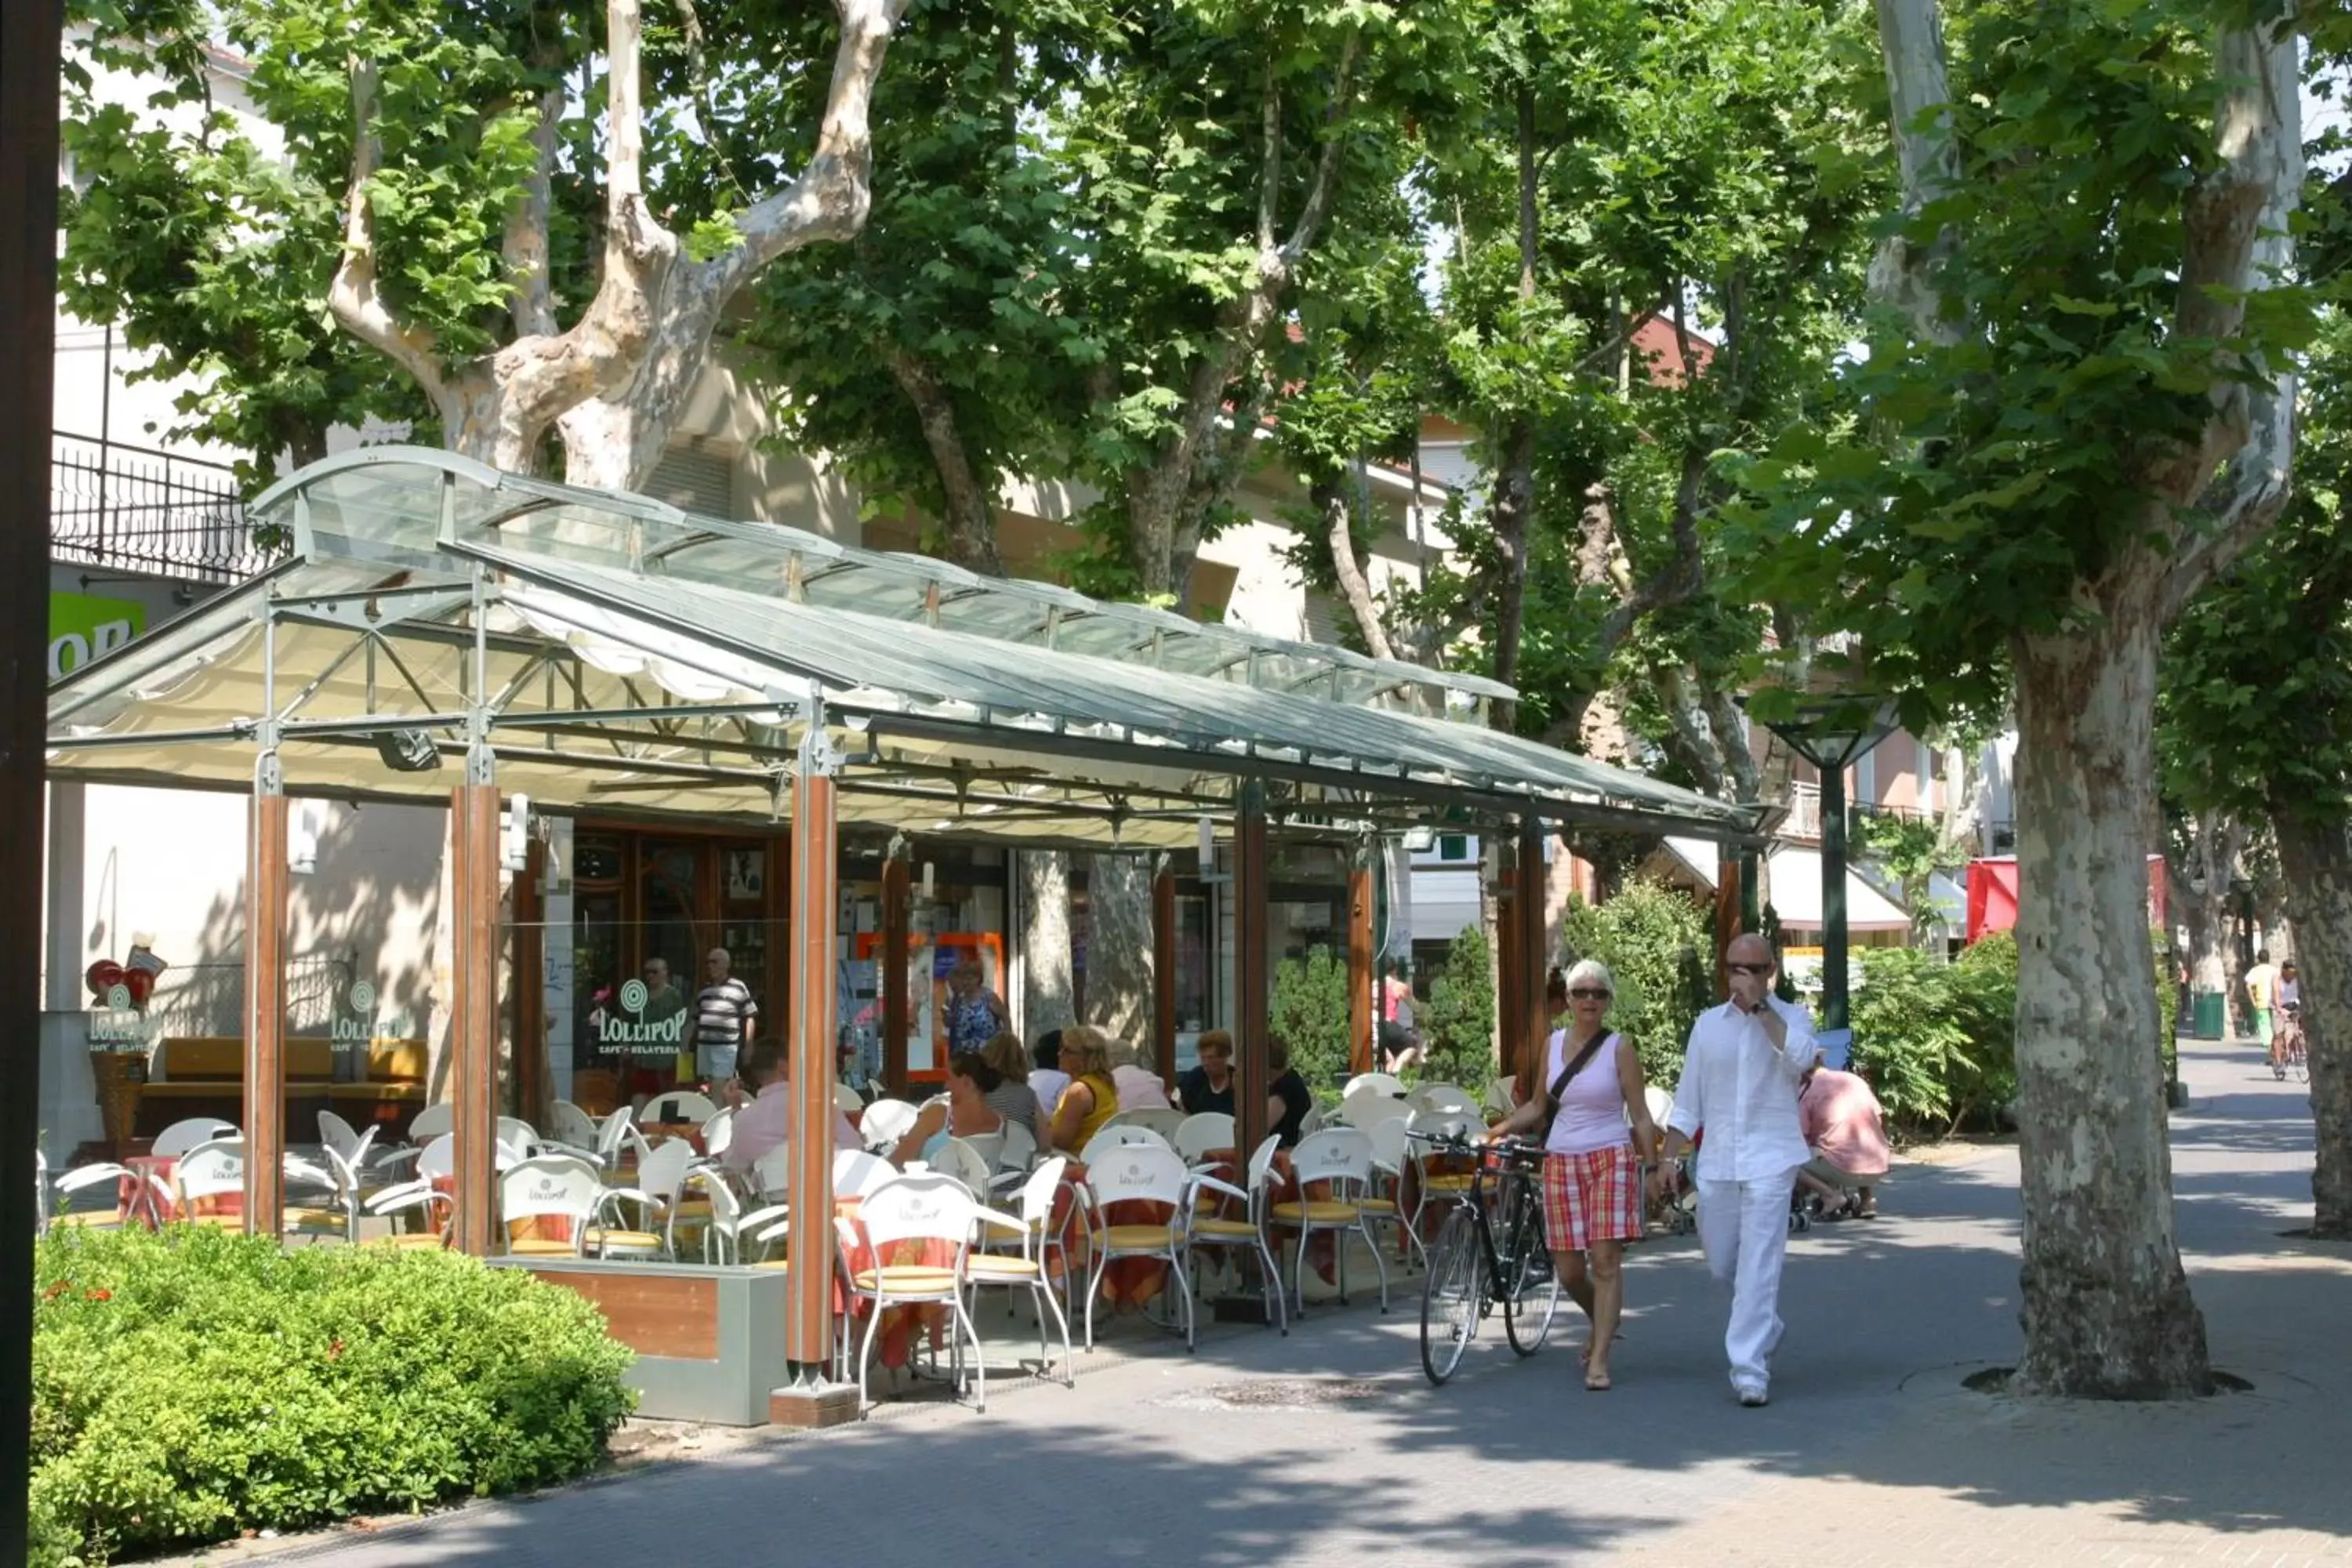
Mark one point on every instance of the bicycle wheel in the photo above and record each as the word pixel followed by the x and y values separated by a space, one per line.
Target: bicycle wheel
pixel 1533 1300
pixel 2302 1065
pixel 1453 1297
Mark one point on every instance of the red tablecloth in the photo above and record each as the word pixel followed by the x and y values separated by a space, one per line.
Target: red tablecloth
pixel 139 1195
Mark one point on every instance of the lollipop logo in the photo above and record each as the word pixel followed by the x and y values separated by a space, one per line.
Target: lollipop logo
pixel 634 997
pixel 362 996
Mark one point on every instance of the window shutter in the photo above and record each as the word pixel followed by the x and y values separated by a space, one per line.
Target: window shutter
pixel 695 478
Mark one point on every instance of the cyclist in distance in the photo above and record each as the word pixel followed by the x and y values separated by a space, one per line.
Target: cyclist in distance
pixel 1595 1122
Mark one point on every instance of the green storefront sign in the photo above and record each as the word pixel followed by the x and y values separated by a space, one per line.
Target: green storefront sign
pixel 83 626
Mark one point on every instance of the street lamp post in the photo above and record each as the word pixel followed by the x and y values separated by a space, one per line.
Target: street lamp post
pixel 1832 733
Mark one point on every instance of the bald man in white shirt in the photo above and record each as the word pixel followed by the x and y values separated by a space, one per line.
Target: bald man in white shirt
pixel 1740 1080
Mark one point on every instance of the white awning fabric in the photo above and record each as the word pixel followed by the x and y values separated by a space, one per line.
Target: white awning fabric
pixel 1797 895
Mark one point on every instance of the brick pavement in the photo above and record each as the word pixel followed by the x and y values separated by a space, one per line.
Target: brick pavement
pixel 1327 1447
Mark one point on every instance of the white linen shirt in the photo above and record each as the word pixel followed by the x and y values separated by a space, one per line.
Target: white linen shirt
pixel 1743 1093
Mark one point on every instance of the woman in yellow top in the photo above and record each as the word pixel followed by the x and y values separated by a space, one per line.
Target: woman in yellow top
pixel 1092 1097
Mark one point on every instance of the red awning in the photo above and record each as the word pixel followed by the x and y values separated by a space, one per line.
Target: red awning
pixel 1993 894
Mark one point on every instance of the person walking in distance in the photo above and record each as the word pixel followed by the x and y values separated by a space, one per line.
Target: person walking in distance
pixel 2261 997
pixel 1739 1088
pixel 724 1016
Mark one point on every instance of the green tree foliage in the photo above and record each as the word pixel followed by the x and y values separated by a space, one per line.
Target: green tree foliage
pixel 1657 943
pixel 1308 1014
pixel 1457 1022
pixel 1938 1040
pixel 192 1386
pixel 1912 849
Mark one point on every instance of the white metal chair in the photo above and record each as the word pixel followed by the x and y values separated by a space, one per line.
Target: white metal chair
pixel 661 1177
pixel 1501 1097
pixel 718 1132
pixel 616 1137
pixel 350 1183
pixel 420 1196
pixel 210 1170
pixel 1428 1182
pixel 1036 1205
pixel 1145 1172
pixel 1163 1120
pixel 1113 1134
pixel 550 1187
pixel 1313 1121
pixel 1341 1159
pixel 679 1105
pixel 885 1122
pixel 48 1195
pixel 925 1209
pixel 1027 1270
pixel 857 1174
pixel 1017 1158
pixel 1442 1097
pixel 1392 1153
pixel 181 1136
pixel 963 1159
pixel 519 1138
pixel 1198 1134
pixel 1247 1234
pixel 569 1127
pixel 1383 1083
pixel 432 1121
pixel 1365 1111
pixel 724 1237
pixel 847 1099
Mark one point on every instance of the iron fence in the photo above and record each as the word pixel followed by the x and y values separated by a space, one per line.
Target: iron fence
pixel 135 509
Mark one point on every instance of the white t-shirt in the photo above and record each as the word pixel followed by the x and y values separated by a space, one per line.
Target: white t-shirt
pixel 1592 1107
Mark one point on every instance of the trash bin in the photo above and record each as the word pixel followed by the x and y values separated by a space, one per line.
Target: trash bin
pixel 2209 1013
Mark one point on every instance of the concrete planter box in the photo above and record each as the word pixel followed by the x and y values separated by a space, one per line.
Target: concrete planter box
pixel 710 1341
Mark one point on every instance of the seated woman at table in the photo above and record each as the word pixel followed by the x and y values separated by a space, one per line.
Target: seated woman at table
pixel 1210 1087
pixel 1092 1097
pixel 964 1112
pixel 1014 1099
pixel 1286 1107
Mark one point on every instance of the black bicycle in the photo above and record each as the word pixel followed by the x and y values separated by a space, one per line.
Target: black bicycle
pixel 2288 1050
pixel 1489 1253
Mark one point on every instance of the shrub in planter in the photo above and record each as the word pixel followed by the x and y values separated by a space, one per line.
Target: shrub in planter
pixel 1658 944
pixel 193 1385
pixel 1308 1014
pixel 1457 1022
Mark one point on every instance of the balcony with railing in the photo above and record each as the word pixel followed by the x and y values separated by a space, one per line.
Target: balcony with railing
pixel 131 509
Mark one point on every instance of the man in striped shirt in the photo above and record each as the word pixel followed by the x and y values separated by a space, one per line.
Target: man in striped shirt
pixel 724 1017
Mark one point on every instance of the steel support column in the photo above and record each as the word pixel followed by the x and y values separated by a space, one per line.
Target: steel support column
pixel 474 1012
pixel 1252 1076
pixel 1834 932
pixel 897 907
pixel 265 1003
pixel 1163 972
pixel 1362 981
pixel 816 876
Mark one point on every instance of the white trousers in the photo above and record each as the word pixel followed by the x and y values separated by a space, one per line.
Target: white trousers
pixel 1744 1229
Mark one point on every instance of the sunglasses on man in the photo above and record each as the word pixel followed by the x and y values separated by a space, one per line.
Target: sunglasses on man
pixel 1749 968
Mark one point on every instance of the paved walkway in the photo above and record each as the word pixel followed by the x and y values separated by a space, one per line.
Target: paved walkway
pixel 1328 1448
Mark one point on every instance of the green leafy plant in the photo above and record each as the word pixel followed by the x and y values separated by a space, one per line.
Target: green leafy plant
pixel 1457 1023
pixel 1938 1041
pixel 1655 942
pixel 1309 1014
pixel 190 1386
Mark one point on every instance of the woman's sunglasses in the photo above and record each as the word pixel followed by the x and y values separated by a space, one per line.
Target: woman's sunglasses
pixel 1587 994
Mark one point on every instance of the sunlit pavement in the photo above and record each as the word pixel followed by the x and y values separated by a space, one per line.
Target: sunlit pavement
pixel 1327 1448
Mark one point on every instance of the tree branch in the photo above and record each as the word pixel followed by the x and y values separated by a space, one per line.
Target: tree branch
pixel 351 295
pixel 1353 587
pixel 1919 94
pixel 971 515
pixel 1269 188
pixel 1327 168
pixel 525 246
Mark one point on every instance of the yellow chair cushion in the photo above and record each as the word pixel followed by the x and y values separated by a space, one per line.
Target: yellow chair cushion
pixel 773 1263
pixel 87 1220
pixel 1138 1237
pixel 1225 1230
pixel 407 1242
pixel 1448 1182
pixel 992 1268
pixel 628 1240
pixel 315 1219
pixel 1316 1211
pixel 908 1278
pixel 541 1246
pixel 1378 1206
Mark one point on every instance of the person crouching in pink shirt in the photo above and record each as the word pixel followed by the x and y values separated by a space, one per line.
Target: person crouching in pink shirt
pixel 1843 1126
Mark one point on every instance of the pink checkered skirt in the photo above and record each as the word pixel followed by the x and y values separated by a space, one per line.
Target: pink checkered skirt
pixel 1590 1197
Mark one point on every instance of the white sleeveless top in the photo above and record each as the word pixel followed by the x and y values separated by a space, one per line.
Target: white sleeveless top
pixel 1592 1108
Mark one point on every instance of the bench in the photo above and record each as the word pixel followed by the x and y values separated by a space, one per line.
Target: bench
pixel 204 1075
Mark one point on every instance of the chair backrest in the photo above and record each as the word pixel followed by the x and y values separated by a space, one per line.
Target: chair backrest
pixel 1115 1136
pixel 772 1173
pixel 211 1170
pixel 848 1098
pixel 1312 1122
pixel 346 1166
pixel 930 1206
pixel 1439 1124
pixel 718 1132
pixel 431 1122
pixel 1020 1151
pixel 339 1135
pixel 181 1136
pixel 567 1123
pixel 1037 1191
pixel 1261 1166
pixel 726 1208
pixel 521 1138
pixel 1334 1155
pixel 855 1173
pixel 617 1131
pixel 560 1185
pixel 886 1121
pixel 1364 1111
pixel 1162 1119
pixel 663 1172
pixel 1198 1134
pixel 680 1105
pixel 1659 1102
pixel 1391 1149
pixel 1502 1096
pixel 1139 1172
pixel 967 1163
pixel 1386 1083
pixel 439 1157
pixel 1442 1097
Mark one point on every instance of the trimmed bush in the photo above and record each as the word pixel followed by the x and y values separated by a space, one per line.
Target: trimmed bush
pixel 1938 1041
pixel 1308 1014
pixel 1658 944
pixel 190 1386
pixel 1457 1022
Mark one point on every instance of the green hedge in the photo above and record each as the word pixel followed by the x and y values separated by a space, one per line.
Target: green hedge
pixel 1938 1040
pixel 1308 1014
pixel 1457 1021
pixel 1658 944
pixel 190 1386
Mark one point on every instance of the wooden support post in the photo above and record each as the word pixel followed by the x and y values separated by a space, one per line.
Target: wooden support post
pixel 897 906
pixel 816 879
pixel 474 1015
pixel 1729 895
pixel 1163 973
pixel 534 1093
pixel 1510 1025
pixel 1253 1075
pixel 264 1004
pixel 1362 981
pixel 1534 957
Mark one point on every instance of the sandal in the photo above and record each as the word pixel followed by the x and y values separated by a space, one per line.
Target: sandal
pixel 1596 1382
